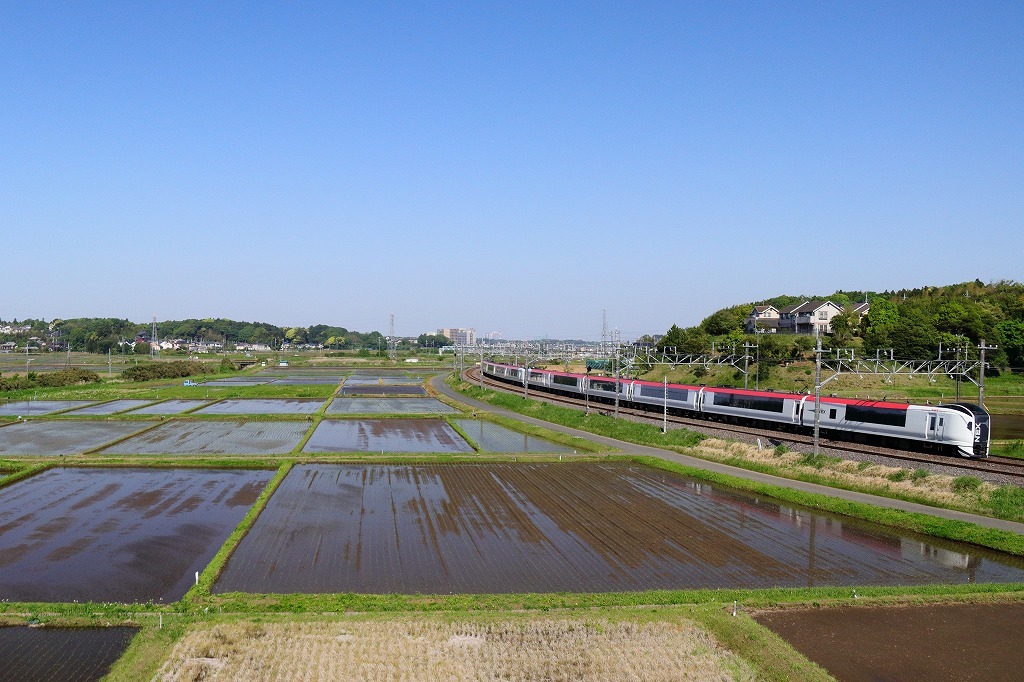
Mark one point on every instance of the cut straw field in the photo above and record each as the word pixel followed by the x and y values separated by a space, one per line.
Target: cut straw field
pixel 431 649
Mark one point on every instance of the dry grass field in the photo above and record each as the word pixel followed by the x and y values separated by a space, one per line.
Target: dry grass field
pixel 414 649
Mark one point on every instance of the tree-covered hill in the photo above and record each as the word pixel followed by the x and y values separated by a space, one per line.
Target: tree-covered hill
pixel 98 335
pixel 911 322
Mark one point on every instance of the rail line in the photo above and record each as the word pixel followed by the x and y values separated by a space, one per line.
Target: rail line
pixel 1004 466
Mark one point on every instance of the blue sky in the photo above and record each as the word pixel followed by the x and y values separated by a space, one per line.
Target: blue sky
pixel 508 166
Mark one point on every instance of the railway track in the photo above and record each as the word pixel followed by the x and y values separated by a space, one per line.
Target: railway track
pixel 1003 466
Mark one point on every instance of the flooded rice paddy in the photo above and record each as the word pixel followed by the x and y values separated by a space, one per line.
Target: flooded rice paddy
pixel 389 406
pixel 1007 426
pixel 937 643
pixel 378 389
pixel 35 408
pixel 263 406
pixel 110 407
pixel 549 527
pixel 386 435
pixel 60 654
pixel 124 535
pixel 214 438
pixel 171 407
pixel 62 437
pixel 491 437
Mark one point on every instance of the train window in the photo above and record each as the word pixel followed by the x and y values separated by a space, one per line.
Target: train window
pixel 877 415
pixel 831 414
pixel 749 402
pixel 565 381
pixel 931 427
pixel 940 421
pixel 536 375
pixel 603 386
pixel 659 392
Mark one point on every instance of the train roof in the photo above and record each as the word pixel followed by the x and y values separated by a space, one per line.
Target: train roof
pixel 744 391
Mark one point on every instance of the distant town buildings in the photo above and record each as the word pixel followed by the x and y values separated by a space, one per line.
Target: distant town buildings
pixel 459 336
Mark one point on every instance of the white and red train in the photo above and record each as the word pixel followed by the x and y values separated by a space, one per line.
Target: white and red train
pixel 960 428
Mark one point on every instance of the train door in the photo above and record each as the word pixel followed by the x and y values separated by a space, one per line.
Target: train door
pixel 934 430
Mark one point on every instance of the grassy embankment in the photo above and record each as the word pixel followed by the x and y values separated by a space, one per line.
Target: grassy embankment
pixel 964 493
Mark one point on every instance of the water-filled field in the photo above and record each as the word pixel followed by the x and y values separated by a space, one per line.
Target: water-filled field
pixel 109 407
pixel 264 406
pixel 35 408
pixel 389 406
pixel 210 437
pixel 385 435
pixel 168 407
pixel 378 389
pixel 125 535
pixel 491 437
pixel 580 527
pixel 60 654
pixel 63 436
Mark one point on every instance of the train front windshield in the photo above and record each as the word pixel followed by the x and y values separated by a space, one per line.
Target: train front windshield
pixel 981 428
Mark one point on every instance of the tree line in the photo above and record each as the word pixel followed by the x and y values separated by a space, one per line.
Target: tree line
pixel 912 323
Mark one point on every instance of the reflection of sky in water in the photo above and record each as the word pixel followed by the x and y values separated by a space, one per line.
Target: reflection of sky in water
pixel 576 527
pixel 833 550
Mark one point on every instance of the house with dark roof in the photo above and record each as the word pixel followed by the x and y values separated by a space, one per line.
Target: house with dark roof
pixel 763 319
pixel 808 317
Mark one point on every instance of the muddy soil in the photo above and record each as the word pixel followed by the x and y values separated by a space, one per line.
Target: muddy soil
pixel 386 435
pixel 550 527
pixel 124 535
pixel 60 654
pixel 951 642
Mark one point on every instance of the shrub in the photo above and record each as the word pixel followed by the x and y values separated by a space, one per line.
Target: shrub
pixel 162 370
pixel 898 476
pixel 919 475
pixel 966 484
pixel 780 450
pixel 819 460
pixel 1007 501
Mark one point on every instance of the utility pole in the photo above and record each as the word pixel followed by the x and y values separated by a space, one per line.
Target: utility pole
pixel 616 382
pixel 817 392
pixel 664 416
pixel 981 372
pixel 746 358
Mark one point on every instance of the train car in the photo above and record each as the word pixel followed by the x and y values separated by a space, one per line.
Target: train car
pixel 677 398
pixel 960 428
pixel 738 404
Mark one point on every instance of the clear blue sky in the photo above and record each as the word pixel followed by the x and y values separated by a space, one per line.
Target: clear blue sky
pixel 510 166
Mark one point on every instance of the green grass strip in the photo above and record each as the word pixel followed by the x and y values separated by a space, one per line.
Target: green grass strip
pixel 220 559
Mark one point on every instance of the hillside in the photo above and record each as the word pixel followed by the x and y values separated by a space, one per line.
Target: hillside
pixel 914 323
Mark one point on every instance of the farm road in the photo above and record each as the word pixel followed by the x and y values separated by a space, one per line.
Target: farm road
pixel 633 449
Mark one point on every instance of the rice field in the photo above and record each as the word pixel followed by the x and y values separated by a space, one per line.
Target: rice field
pixel 109 407
pixel 35 408
pixel 572 527
pixel 60 654
pixel 169 407
pixel 491 437
pixel 389 406
pixel 386 435
pixel 125 535
pixel 62 437
pixel 263 406
pixel 210 437
pixel 416 650
pixel 378 389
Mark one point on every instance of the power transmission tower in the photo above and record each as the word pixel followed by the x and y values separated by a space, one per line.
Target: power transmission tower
pixel 154 346
pixel 604 329
pixel 392 341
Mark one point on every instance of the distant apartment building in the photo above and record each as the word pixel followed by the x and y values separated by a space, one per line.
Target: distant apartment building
pixel 459 336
